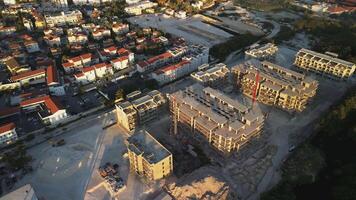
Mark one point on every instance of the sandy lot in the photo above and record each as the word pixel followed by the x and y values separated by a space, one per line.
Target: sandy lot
pixel 71 170
pixel 192 28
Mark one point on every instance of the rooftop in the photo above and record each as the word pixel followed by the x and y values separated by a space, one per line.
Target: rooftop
pixel 25 192
pixel 7 127
pixel 327 57
pixel 142 143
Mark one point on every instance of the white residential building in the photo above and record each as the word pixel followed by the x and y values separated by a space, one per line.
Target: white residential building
pixel 120 28
pixel 120 63
pixel 76 63
pixel 8 133
pixel 66 17
pixel 92 73
pixel 52 40
pixel 9 2
pixel 197 56
pixel 137 8
pixel 32 46
pixel 7 30
pixel 48 109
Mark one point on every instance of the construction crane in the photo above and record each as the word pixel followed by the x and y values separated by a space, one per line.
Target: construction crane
pixel 255 88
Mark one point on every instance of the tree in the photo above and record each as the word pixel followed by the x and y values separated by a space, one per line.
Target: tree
pixel 119 95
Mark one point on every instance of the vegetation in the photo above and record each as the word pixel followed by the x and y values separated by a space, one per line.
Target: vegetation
pixel 333 151
pixel 267 5
pixel 116 8
pixel 17 159
pixel 29 137
pixel 286 33
pixel 222 50
pixel 119 95
pixel 330 35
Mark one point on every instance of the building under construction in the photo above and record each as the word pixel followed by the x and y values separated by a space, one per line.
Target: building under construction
pixel 216 76
pixel 262 52
pixel 211 116
pixel 275 85
pixel 148 157
pixel 131 114
pixel 324 64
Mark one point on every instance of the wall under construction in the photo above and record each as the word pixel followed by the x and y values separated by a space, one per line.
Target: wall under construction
pixel 211 116
pixel 275 85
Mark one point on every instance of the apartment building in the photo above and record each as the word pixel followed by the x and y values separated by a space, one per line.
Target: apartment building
pixel 137 8
pixel 48 109
pixel 149 158
pixel 213 76
pixel 324 64
pixel 29 77
pixel 193 58
pixel 92 73
pixel 25 192
pixel 275 85
pixel 120 28
pixel 8 133
pixel 66 17
pixel 262 52
pixel 13 65
pixel 76 36
pixel 211 116
pixel 141 110
pixel 7 30
pixel 76 63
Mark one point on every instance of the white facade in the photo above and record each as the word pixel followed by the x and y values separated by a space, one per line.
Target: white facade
pixel 8 133
pixel 137 8
pixel 56 117
pixel 120 63
pixel 120 28
pixel 28 24
pixel 63 18
pixel 9 2
pixel 198 55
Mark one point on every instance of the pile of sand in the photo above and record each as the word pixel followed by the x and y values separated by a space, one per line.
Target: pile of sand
pixel 203 183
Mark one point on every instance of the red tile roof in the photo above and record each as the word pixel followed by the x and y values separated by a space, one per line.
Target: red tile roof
pixel 52 75
pixel 86 56
pixel 99 65
pixel 75 59
pixel 123 51
pixel 120 59
pixel 172 67
pixel 67 64
pixel 112 48
pixel 28 74
pixel 7 127
pixel 79 74
pixel 88 69
pixel 9 111
pixel 51 103
pixel 160 57
pixel 143 64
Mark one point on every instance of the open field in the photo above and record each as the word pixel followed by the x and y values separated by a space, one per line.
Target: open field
pixel 71 170
pixel 192 28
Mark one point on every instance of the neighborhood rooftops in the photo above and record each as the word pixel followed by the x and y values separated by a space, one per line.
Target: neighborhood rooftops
pixel 7 127
pixel 28 74
pixel 52 105
pixel 143 143
pixel 52 75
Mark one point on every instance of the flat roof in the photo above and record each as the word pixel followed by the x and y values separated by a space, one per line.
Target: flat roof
pixel 25 192
pixel 327 57
pixel 145 144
